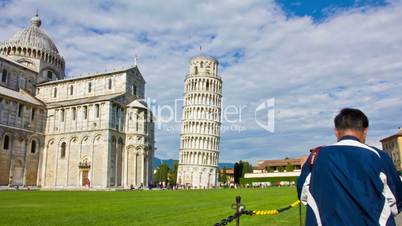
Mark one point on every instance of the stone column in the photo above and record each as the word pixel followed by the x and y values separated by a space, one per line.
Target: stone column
pixel 142 166
pixel 44 165
pixel 135 168
pixel 25 161
pixel 125 168
pixel 146 170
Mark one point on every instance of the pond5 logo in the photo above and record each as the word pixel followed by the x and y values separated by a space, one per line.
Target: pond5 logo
pixel 265 115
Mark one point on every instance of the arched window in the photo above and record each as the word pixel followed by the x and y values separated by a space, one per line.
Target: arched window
pixel 49 75
pixel 136 122
pixel 63 150
pixel 134 90
pixel 55 92
pixel 202 64
pixel 20 110
pixel 145 123
pixel 62 115
pixel 85 111
pixel 6 142
pixel 97 110
pixel 4 76
pixel 74 113
pixel 89 87
pixel 71 90
pixel 33 114
pixel 110 83
pixel 33 147
pixel 195 70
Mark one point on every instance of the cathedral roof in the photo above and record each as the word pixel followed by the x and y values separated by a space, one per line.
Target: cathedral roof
pixel 84 100
pixel 21 95
pixel 138 104
pixel 97 74
pixel 16 63
pixel 32 37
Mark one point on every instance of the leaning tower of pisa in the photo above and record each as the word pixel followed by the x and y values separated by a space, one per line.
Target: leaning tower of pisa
pixel 200 130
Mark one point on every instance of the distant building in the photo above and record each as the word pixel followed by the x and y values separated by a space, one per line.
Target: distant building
pixel 393 146
pixel 277 164
pixel 229 174
pixel 277 170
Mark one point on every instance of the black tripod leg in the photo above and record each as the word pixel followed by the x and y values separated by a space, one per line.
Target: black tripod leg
pixel 300 214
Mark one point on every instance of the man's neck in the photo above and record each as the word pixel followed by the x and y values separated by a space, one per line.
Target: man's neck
pixel 351 134
pixel 349 137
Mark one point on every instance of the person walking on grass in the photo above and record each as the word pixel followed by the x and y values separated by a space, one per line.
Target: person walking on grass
pixel 350 183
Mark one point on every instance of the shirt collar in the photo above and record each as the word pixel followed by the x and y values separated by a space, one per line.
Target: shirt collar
pixel 349 137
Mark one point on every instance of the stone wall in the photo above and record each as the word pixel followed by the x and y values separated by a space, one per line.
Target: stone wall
pixel 80 117
pixel 82 87
pixel 135 84
pixel 15 77
pixel 65 152
pixel 393 146
pixel 31 118
pixel 19 160
pixel 22 126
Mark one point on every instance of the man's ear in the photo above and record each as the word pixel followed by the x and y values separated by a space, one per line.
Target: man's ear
pixel 363 139
pixel 337 133
pixel 365 132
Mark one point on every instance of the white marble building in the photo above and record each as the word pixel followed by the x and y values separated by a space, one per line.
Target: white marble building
pixel 55 132
pixel 200 130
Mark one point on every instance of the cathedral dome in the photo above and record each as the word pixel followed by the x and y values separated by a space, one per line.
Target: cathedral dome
pixel 33 37
pixel 32 44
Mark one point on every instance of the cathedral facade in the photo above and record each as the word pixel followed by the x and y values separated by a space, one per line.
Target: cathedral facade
pixel 90 131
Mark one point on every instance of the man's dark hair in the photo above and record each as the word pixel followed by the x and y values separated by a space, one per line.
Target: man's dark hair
pixel 349 118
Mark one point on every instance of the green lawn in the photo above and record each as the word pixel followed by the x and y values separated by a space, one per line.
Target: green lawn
pixel 192 207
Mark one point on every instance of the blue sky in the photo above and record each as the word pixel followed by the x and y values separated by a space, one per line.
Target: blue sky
pixel 312 57
pixel 323 9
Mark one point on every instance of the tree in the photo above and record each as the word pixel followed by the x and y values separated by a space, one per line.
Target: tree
pixel 162 173
pixel 280 169
pixel 241 168
pixel 247 168
pixel 269 169
pixel 173 173
pixel 289 167
pixel 238 168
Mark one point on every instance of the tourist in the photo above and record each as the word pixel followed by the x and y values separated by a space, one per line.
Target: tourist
pixel 349 182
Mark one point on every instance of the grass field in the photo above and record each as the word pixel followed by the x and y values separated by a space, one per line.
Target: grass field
pixel 192 207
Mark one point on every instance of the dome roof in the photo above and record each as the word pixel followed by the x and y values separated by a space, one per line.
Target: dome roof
pixel 32 37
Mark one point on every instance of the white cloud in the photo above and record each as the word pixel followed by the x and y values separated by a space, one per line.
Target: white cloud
pixel 313 70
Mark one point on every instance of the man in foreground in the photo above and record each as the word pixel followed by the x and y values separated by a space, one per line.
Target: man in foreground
pixel 349 183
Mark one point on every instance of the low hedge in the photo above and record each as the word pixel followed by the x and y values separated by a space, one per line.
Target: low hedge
pixel 273 180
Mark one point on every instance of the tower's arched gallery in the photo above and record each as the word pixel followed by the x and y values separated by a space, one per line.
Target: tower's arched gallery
pixel 56 132
pixel 200 130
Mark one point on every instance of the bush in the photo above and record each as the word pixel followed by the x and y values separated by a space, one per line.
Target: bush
pixel 273 180
pixel 289 167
